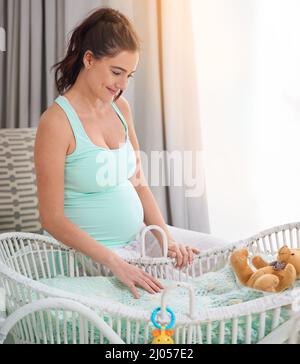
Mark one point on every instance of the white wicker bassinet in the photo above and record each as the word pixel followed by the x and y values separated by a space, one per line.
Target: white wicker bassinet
pixel 41 314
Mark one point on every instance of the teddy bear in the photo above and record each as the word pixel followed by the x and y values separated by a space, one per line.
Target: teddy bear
pixel 270 277
pixel 284 256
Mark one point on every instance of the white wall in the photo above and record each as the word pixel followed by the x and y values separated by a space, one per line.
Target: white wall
pixel 248 57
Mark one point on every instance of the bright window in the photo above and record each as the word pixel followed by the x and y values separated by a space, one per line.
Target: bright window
pixel 249 75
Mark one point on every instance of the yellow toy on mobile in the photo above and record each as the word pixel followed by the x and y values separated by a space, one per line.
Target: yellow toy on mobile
pixel 162 334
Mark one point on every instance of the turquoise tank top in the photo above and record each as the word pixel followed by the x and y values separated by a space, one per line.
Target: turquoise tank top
pixel 98 196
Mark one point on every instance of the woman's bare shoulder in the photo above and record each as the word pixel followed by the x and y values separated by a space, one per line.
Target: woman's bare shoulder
pixel 54 122
pixel 52 114
pixel 55 119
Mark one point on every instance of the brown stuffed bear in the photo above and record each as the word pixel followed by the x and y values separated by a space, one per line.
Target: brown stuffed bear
pixel 285 256
pixel 274 277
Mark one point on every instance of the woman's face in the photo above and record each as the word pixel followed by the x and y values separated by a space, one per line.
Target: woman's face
pixel 108 76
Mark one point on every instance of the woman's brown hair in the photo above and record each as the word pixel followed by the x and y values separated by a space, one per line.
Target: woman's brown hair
pixel 106 32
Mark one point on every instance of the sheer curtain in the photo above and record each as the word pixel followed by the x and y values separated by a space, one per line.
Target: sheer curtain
pixel 167 104
pixel 248 56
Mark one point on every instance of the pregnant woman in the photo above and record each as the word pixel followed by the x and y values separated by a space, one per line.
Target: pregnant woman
pixel 92 193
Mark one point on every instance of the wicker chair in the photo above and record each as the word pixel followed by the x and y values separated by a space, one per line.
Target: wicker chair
pixel 18 192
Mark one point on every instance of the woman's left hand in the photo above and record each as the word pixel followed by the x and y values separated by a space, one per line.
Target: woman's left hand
pixel 183 254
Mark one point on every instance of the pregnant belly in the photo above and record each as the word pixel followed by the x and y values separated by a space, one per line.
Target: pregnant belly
pixel 113 218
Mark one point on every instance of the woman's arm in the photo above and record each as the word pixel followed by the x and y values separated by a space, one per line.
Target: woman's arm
pixel 51 144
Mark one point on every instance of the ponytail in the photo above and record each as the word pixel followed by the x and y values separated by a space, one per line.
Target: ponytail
pixel 106 32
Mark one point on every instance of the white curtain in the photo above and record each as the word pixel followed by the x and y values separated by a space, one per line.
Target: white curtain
pixel 166 105
pixel 248 56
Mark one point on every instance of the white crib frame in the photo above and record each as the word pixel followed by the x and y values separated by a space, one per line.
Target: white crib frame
pixel 19 274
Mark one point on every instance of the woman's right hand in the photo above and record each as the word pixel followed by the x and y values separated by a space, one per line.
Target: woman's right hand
pixel 133 276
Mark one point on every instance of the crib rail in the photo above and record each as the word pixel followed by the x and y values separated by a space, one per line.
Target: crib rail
pixel 37 257
pixel 56 321
pixel 267 242
pixel 63 329
pixel 271 240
